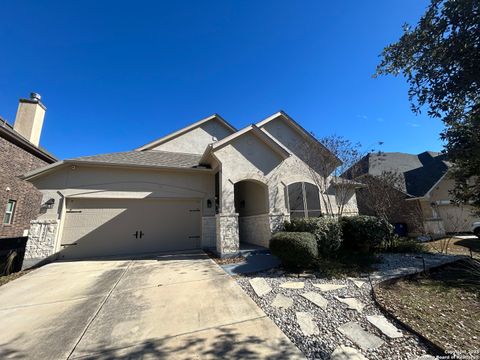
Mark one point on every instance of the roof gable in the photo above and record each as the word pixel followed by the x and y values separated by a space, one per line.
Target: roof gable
pixel 261 135
pixel 290 122
pixel 163 140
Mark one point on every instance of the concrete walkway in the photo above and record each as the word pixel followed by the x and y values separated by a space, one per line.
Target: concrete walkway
pixel 175 306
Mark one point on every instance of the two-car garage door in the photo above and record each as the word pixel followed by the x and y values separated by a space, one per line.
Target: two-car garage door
pixel 109 227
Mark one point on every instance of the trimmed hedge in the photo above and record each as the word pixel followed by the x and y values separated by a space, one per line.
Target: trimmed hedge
pixel 327 231
pixel 295 249
pixel 329 236
pixel 301 225
pixel 366 233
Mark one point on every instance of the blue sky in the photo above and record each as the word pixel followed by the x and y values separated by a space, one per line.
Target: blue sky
pixel 115 75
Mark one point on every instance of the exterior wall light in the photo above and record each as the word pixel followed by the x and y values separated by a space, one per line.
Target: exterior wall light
pixel 49 203
pixel 209 203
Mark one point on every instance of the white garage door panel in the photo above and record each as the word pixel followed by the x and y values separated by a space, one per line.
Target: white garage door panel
pixel 103 227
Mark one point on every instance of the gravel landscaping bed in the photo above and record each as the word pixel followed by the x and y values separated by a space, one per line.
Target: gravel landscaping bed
pixel 336 314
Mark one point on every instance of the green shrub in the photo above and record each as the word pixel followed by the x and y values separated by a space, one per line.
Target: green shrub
pixel 301 225
pixel 327 231
pixel 366 233
pixel 405 245
pixel 328 235
pixel 295 249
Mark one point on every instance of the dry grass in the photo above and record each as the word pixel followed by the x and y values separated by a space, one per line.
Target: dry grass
pixel 443 305
pixel 455 246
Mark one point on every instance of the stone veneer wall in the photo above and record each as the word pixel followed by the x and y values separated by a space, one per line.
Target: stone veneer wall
pixel 41 239
pixel 255 229
pixel 277 220
pixel 227 234
pixel 209 231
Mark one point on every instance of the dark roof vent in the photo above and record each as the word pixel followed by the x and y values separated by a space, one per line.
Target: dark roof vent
pixel 35 96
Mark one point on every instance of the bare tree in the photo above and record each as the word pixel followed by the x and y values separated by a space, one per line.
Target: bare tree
pixel 326 164
pixel 383 196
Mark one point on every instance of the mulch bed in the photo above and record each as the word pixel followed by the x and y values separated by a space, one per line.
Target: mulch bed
pixel 225 261
pixel 442 305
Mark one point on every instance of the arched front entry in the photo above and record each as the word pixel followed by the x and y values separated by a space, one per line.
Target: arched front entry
pixel 251 205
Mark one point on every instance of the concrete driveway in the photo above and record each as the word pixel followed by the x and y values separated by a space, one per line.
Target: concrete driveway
pixel 175 306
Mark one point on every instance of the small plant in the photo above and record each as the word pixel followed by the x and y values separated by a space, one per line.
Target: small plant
pixel 296 250
pixel 405 245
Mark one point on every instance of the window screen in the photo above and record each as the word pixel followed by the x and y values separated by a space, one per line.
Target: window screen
pixel 313 200
pixel 8 216
pixel 295 200
pixel 303 200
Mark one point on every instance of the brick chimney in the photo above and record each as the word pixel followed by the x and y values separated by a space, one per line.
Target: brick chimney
pixel 29 119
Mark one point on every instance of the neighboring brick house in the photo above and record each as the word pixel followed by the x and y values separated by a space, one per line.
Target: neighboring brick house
pixel 20 201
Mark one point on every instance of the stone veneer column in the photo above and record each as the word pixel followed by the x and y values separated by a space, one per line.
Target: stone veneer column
pixel 228 242
pixel 41 239
pixel 277 220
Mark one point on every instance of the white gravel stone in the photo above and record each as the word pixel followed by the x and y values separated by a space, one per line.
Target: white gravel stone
pixel 352 303
pixel 316 298
pixel 282 301
pixel 385 326
pixel 355 333
pixel 358 282
pixel 260 286
pixel 305 321
pixel 293 285
pixel 346 353
pixel 329 287
pixel 321 345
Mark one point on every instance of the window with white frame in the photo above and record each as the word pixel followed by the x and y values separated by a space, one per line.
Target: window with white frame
pixel 303 200
pixel 9 211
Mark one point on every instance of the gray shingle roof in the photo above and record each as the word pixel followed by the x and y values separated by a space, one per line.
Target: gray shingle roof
pixel 152 158
pixel 420 172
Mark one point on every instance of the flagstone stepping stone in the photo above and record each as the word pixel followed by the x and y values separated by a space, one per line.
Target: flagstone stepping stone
pixel 346 353
pixel 305 321
pixel 282 301
pixel 293 285
pixel 364 340
pixel 329 287
pixel 352 303
pixel 316 298
pixel 260 286
pixel 385 326
pixel 358 282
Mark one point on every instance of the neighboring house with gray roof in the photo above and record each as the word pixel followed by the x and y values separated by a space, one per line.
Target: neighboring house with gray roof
pixel 207 185
pixel 425 184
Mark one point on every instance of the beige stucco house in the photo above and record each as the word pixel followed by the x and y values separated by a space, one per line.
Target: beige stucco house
pixel 424 188
pixel 207 185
